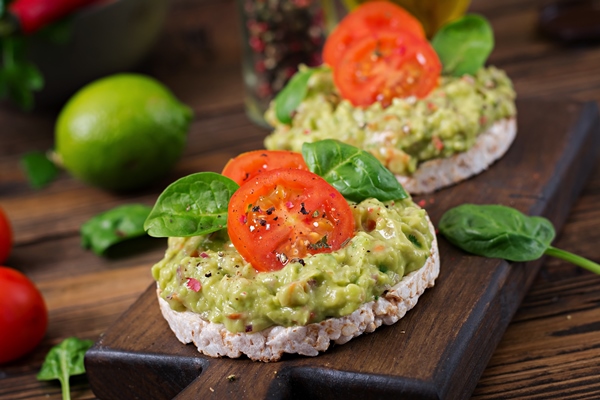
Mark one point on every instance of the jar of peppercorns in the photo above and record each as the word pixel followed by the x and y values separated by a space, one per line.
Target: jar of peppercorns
pixel 277 35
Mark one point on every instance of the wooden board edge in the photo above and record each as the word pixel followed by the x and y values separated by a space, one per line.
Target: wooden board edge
pixel 555 203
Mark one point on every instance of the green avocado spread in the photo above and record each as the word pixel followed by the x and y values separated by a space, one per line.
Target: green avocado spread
pixel 206 275
pixel 410 130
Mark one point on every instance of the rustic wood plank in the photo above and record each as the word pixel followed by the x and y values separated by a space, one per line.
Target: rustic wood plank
pixel 198 57
pixel 529 369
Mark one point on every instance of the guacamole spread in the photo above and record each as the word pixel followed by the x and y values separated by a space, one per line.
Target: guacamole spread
pixel 410 130
pixel 206 275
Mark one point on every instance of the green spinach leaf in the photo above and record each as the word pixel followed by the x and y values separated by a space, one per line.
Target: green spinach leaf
pixel 193 205
pixel 464 45
pixel 355 173
pixel 114 226
pixel 288 99
pixel 63 361
pixel 498 231
pixel 38 168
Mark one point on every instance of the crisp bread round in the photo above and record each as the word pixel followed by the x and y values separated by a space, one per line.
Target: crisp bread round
pixel 215 340
pixel 436 174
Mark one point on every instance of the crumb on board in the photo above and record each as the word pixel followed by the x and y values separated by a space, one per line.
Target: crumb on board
pixel 231 378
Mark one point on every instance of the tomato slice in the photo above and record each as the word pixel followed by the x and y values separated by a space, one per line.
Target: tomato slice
pixel 367 19
pixel 287 214
pixel 387 65
pixel 247 165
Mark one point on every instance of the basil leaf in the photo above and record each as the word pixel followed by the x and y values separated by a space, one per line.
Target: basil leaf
pixel 497 231
pixel 193 205
pixel 290 97
pixel 355 173
pixel 38 168
pixel 114 226
pixel 464 45
pixel 63 361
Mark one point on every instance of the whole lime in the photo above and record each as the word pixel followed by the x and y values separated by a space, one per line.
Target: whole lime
pixel 121 132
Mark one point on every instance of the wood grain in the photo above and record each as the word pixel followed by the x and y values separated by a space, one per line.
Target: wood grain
pixel 543 353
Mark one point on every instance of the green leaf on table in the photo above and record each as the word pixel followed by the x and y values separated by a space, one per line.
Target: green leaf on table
pixel 355 173
pixel 63 361
pixel 39 170
pixel 114 226
pixel 464 45
pixel 290 97
pixel 497 231
pixel 502 232
pixel 193 205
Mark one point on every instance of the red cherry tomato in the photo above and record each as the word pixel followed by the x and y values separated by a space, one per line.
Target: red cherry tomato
pixel 247 165
pixel 387 65
pixel 367 19
pixel 286 214
pixel 6 237
pixel 23 315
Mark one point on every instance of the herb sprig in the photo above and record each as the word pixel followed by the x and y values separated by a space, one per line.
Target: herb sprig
pixel 19 76
pixel 63 361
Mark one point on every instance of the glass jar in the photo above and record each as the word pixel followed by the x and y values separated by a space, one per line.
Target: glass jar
pixel 277 35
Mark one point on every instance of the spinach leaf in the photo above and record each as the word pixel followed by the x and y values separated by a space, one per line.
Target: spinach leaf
pixel 464 45
pixel 114 226
pixel 502 232
pixel 497 231
pixel 288 99
pixel 355 173
pixel 38 168
pixel 63 361
pixel 193 205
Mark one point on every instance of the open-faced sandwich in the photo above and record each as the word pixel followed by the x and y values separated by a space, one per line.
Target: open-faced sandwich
pixel 430 111
pixel 286 252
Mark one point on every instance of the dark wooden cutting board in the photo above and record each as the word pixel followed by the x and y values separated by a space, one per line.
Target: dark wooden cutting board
pixel 437 351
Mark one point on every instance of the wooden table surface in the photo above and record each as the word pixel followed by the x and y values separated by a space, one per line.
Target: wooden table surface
pixel 551 348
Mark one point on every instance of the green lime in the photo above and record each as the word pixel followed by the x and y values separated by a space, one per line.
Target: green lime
pixel 121 132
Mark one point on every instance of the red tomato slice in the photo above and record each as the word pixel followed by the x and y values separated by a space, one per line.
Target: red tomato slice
pixel 286 214
pixel 368 18
pixel 387 65
pixel 247 165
